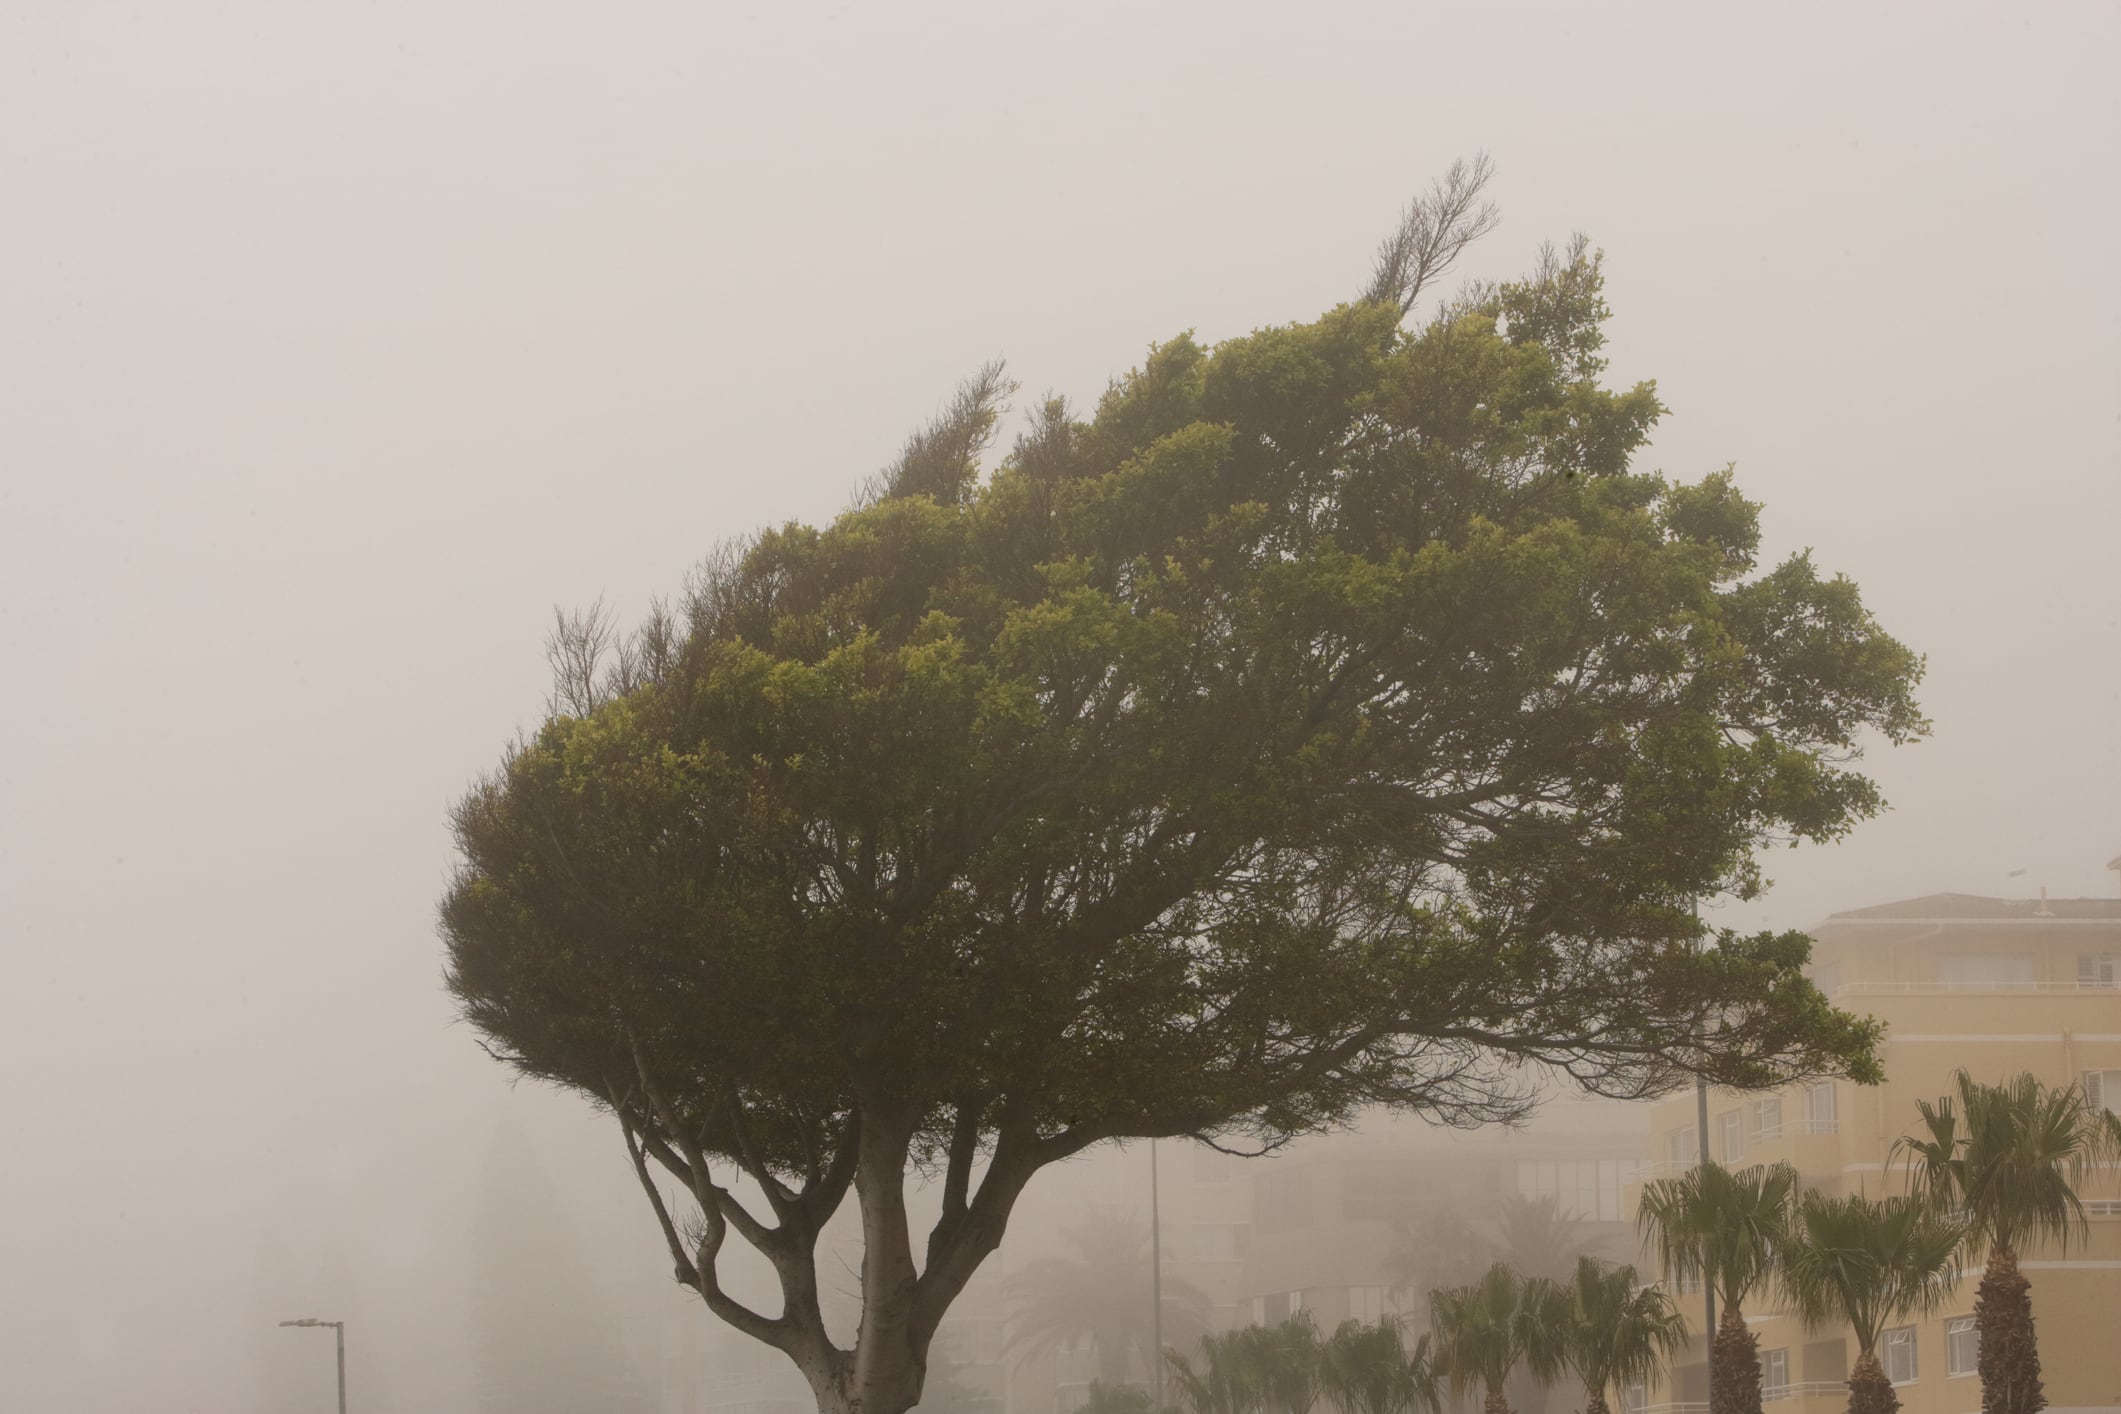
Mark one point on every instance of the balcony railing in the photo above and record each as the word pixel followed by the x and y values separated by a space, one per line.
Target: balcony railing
pixel 1805 1390
pixel 1864 989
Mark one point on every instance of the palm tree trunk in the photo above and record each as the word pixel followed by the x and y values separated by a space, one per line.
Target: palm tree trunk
pixel 1734 1359
pixel 1870 1392
pixel 1497 1402
pixel 1596 1403
pixel 2009 1356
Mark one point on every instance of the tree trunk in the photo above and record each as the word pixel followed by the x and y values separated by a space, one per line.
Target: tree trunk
pixel 1870 1392
pixel 1498 1402
pixel 1734 1365
pixel 1596 1403
pixel 2009 1357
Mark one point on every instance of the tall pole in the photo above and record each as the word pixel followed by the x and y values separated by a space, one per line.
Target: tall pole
pixel 1708 1287
pixel 1156 1284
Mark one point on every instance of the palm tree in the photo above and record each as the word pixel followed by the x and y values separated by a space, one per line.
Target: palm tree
pixel 1253 1370
pixel 1486 1329
pixel 1619 1331
pixel 1723 1227
pixel 1537 1238
pixel 1442 1248
pixel 1223 1384
pixel 1102 1295
pixel 2007 1159
pixel 1369 1370
pixel 1287 1364
pixel 1867 1263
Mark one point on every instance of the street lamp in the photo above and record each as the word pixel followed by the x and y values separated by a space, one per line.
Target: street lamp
pixel 1156 1284
pixel 338 1329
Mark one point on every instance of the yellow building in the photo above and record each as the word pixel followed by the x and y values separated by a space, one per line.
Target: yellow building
pixel 1995 987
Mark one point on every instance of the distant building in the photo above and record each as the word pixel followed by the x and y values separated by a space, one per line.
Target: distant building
pixel 1990 985
pixel 1360 1225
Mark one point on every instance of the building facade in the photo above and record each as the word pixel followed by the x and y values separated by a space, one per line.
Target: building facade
pixel 1992 986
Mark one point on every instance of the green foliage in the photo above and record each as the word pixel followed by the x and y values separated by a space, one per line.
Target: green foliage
pixel 1486 1329
pixel 1278 1369
pixel 1117 1399
pixel 1368 1369
pixel 1333 719
pixel 1868 1262
pixel 2009 1157
pixel 1618 1330
pixel 1722 1225
pixel 1447 1247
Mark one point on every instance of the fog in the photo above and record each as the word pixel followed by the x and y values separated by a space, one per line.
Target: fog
pixel 338 344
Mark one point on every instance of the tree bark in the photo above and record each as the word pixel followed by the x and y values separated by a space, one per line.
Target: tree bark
pixel 2009 1358
pixel 1734 1362
pixel 1497 1402
pixel 1596 1403
pixel 1870 1392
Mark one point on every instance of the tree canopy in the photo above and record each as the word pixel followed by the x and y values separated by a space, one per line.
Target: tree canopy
pixel 1332 717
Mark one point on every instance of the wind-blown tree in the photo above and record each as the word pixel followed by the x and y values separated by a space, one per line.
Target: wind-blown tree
pixel 1726 1228
pixel 1485 1330
pixel 1619 1331
pixel 1367 1368
pixel 2008 1159
pixel 1287 1364
pixel 1333 719
pixel 1278 1369
pixel 1536 1237
pixel 1867 1263
pixel 1222 1383
pixel 1533 1236
pixel 1104 1295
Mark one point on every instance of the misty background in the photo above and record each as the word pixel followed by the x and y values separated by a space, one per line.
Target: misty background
pixel 339 343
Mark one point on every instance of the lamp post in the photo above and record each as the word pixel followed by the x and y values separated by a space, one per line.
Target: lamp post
pixel 338 1329
pixel 1708 1288
pixel 1156 1285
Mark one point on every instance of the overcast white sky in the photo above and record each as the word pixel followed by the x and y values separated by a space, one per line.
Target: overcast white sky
pixel 339 342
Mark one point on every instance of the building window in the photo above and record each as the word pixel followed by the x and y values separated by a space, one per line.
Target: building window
pixel 1775 1374
pixel 2099 969
pixel 1767 1118
pixel 1730 1135
pixel 2102 1090
pixel 1585 1189
pixel 1962 1346
pixel 1896 1351
pixel 1681 1146
pixel 1820 1111
pixel 1635 1397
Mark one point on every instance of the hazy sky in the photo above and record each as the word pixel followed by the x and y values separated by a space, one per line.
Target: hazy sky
pixel 339 341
